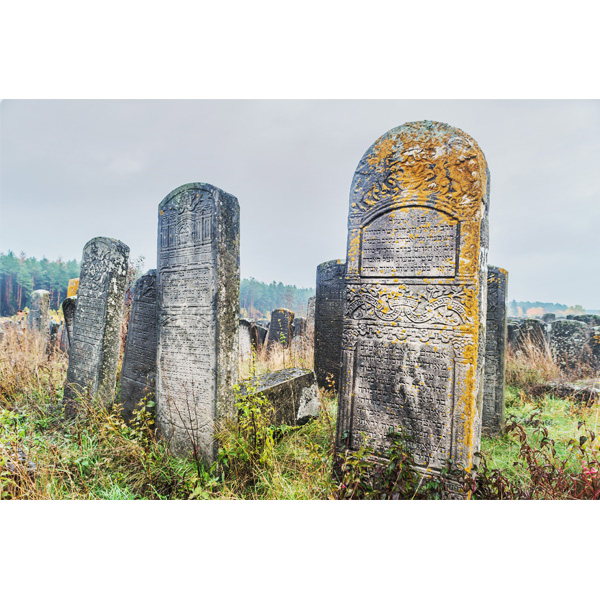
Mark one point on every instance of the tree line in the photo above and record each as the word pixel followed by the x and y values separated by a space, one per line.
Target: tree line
pixel 258 299
pixel 20 276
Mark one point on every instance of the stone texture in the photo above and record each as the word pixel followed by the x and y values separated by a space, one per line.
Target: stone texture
pixel 299 327
pixel 568 339
pixel 69 306
pixel 292 392
pixel 54 329
pixel 549 317
pixel 95 344
pixel 310 317
pixel 198 304
pixel 329 322
pixel 261 335
pixel 534 332
pixel 73 287
pixel 38 319
pixel 415 307
pixel 591 320
pixel 280 329
pixel 512 331
pixel 138 373
pixel 495 351
pixel 248 335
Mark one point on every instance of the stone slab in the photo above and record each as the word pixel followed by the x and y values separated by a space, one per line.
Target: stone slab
pixel 280 329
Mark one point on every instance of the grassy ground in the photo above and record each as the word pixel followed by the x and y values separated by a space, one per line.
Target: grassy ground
pixel 98 456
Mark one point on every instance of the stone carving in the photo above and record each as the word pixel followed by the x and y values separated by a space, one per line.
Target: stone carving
pixel 38 319
pixel 329 321
pixel 293 393
pixel 198 284
pixel 413 340
pixel 139 361
pixel 69 306
pixel 73 287
pixel 495 351
pixel 280 329
pixel 95 343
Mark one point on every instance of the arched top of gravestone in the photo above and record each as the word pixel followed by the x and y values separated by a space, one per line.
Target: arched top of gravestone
pixel 186 197
pixel 423 163
pixel 98 261
pixel 41 292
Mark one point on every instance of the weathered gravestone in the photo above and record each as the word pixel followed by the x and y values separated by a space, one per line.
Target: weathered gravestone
pixel 591 320
pixel 495 351
pixel 549 317
pixel 73 287
pixel 293 394
pixel 280 329
pixel 310 318
pixel 415 309
pixel 69 306
pixel 38 319
pixel 198 303
pixel 299 327
pixel 532 336
pixel 568 342
pixel 329 322
pixel 261 335
pixel 248 338
pixel 54 329
pixel 95 343
pixel 139 361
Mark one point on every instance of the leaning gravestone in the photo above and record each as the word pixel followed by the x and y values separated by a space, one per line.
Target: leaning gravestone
pixel 329 322
pixel 415 308
pixel 38 319
pixel 68 306
pixel 139 361
pixel 280 329
pixel 198 303
pixel 495 351
pixel 95 344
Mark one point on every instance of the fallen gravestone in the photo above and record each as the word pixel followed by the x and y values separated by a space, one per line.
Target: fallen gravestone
pixel 416 278
pixel 280 329
pixel 198 285
pixel 329 322
pixel 138 373
pixel 293 393
pixel 38 319
pixel 495 351
pixel 95 344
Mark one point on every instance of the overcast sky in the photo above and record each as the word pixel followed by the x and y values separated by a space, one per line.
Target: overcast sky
pixel 73 170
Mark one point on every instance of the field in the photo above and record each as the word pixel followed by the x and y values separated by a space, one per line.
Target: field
pixel 550 449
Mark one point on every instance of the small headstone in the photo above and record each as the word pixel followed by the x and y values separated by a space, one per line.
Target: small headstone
pixel 549 317
pixel 495 351
pixel 139 361
pixel 73 287
pixel 329 322
pixel 95 345
pixel 299 327
pixel 69 306
pixel 54 328
pixel 261 333
pixel 416 279
pixel 248 338
pixel 512 331
pixel 63 339
pixel 280 329
pixel 38 319
pixel 292 392
pixel 198 284
pixel 567 340
pixel 533 333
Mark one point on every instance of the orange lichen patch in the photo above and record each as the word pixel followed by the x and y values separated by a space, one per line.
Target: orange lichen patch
pixel 73 287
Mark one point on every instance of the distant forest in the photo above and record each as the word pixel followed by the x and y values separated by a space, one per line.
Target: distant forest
pixel 258 299
pixel 20 276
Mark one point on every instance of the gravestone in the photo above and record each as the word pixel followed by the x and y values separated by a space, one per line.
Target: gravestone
pixel 63 340
pixel 54 329
pixel 549 317
pixel 139 361
pixel 532 335
pixel 38 319
pixel 68 307
pixel 280 329
pixel 415 307
pixel 299 327
pixel 261 335
pixel 567 340
pixel 95 344
pixel 329 322
pixel 293 393
pixel 198 286
pixel 73 287
pixel 248 338
pixel 495 351
pixel 310 318
pixel 591 320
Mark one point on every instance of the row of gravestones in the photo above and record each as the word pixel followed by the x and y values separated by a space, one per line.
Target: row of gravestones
pixel 572 342
pixel 414 298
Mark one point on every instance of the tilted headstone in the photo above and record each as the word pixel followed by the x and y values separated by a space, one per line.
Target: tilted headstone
pixel 73 287
pixel 415 308
pixel 38 319
pixel 280 329
pixel 198 304
pixel 139 361
pixel 567 340
pixel 329 322
pixel 95 345
pixel 69 306
pixel 248 338
pixel 495 351
pixel 293 393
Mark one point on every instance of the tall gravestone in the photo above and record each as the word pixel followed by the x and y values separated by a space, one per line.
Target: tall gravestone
pixel 329 322
pixel 280 329
pixel 198 303
pixel 139 361
pixel 38 319
pixel 69 306
pixel 495 351
pixel 73 287
pixel 95 344
pixel 415 309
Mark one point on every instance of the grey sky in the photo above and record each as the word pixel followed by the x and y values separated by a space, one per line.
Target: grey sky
pixel 72 170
